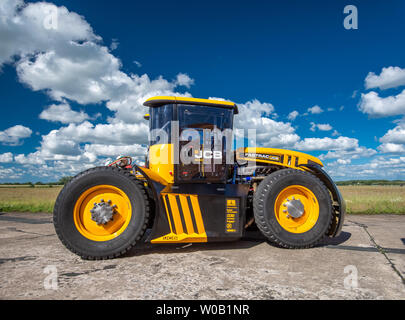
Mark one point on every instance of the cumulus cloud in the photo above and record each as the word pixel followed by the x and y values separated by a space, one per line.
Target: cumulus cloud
pixel 349 153
pixel 381 167
pixel 24 29
pixel 6 157
pixel 315 110
pixel 396 135
pixel 269 133
pixel 293 115
pixel 394 140
pixel 63 113
pixel 341 143
pixel 184 80
pixel 13 136
pixel 374 105
pixel 391 148
pixel 320 126
pixel 390 77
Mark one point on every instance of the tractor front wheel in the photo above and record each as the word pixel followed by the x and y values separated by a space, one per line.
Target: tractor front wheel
pixel 101 213
pixel 293 209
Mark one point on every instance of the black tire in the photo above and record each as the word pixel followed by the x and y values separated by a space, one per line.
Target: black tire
pixel 96 250
pixel 263 207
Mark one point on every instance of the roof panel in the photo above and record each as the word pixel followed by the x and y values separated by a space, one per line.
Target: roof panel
pixel 162 100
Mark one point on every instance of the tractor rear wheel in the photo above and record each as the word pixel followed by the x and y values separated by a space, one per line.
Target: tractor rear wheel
pixel 101 213
pixel 293 209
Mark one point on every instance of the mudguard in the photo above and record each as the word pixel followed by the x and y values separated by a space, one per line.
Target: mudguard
pixel 339 205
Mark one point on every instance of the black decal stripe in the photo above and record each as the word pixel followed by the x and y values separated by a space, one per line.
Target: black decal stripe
pixel 183 221
pixel 190 206
pixel 169 209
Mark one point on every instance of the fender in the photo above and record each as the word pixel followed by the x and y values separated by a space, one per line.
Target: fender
pixel 340 208
pixel 156 185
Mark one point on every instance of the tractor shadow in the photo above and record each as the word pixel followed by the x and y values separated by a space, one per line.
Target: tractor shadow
pixel 251 239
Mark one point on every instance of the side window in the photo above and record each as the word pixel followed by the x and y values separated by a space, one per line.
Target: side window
pixel 160 124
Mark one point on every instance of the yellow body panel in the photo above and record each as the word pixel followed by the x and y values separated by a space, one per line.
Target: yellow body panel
pixel 180 233
pixel 189 100
pixel 161 160
pixel 292 159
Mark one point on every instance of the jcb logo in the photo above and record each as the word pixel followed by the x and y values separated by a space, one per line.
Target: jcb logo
pixel 208 154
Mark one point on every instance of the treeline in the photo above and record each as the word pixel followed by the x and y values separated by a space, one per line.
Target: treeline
pixel 371 183
pixel 62 181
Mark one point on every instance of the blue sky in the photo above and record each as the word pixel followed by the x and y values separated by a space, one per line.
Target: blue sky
pixel 73 95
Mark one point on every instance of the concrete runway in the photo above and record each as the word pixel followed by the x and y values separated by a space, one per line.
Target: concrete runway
pixel 366 262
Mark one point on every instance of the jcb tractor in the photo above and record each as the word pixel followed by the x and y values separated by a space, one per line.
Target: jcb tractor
pixel 195 187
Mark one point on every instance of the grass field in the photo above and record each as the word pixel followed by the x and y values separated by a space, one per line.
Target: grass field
pixel 374 199
pixel 359 199
pixel 25 199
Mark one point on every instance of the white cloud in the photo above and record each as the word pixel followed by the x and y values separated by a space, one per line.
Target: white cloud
pixel 184 80
pixel 13 136
pixel 293 115
pixel 349 153
pixel 343 161
pixel 396 135
pixel 63 113
pixel 269 133
pixel 390 77
pixel 320 126
pixel 394 140
pixel 86 73
pixel 6 157
pixel 378 168
pixel 392 148
pixel 23 31
pixel 10 174
pixel 114 44
pixel 341 143
pixel 315 110
pixel 375 106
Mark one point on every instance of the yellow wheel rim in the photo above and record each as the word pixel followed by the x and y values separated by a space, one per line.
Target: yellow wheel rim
pixel 311 209
pixel 89 228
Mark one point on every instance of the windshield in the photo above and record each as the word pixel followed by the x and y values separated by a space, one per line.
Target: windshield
pixel 204 117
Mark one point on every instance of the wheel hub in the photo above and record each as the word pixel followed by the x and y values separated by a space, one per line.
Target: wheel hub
pixel 103 212
pixel 295 208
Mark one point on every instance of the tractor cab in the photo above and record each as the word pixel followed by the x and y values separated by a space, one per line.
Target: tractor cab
pixel 190 139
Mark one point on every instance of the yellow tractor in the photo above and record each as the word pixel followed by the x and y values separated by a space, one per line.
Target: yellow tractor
pixel 196 186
